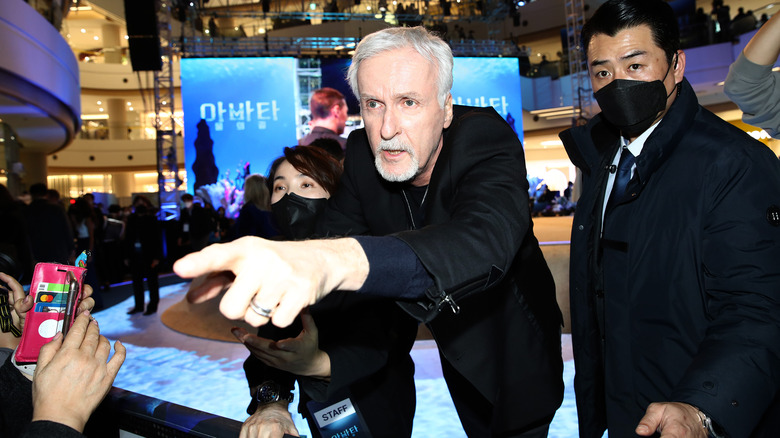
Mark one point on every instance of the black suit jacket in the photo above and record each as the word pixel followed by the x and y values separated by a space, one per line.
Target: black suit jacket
pixel 699 320
pixel 477 240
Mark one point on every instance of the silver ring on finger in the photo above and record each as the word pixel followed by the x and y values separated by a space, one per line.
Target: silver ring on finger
pixel 262 311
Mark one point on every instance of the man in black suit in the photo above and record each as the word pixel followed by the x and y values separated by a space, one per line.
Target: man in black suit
pixel 675 282
pixel 435 196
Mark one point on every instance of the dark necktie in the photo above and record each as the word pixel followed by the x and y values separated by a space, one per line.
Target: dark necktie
pixel 622 178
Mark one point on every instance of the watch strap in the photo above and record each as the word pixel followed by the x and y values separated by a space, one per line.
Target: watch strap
pixel 271 392
pixel 712 428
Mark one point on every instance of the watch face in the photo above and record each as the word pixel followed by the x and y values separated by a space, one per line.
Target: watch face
pixel 268 393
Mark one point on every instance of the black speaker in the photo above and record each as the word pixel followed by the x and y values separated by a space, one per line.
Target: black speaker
pixel 145 54
pixel 143 35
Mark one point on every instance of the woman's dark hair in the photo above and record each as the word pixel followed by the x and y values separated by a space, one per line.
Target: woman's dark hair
pixel 310 161
pixel 617 15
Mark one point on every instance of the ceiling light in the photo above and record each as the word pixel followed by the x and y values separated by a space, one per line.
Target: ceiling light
pixel 83 30
pixel 129 104
pixel 100 109
pixel 100 102
pixel 95 37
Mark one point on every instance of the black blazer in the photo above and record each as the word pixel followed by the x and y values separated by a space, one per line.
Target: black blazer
pixel 477 240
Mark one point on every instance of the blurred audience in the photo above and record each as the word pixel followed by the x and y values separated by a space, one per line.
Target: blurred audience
pixel 14 241
pixel 255 217
pixel 49 231
pixel 82 219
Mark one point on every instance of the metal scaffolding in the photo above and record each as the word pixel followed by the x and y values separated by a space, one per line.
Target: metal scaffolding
pixel 581 91
pixel 167 166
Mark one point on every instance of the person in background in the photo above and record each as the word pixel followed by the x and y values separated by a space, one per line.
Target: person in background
pixel 328 116
pixel 48 229
pixel 255 217
pixel 674 279
pixel 143 249
pixel 112 244
pixel 14 236
pixel 195 225
pixel 97 252
pixel 752 84
pixel 82 219
pixel 224 225
pixel 346 347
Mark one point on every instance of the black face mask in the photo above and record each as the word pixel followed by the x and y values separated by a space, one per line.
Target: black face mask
pixel 632 106
pixel 296 216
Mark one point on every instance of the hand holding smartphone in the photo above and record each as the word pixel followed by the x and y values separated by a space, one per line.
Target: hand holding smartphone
pixel 56 290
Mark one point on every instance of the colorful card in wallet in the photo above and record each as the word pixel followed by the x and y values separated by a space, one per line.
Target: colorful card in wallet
pixel 56 292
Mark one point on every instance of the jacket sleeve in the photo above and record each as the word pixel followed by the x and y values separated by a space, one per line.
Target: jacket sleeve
pixel 359 337
pixel 756 90
pixel 49 429
pixel 479 214
pixel 736 373
pixel 258 372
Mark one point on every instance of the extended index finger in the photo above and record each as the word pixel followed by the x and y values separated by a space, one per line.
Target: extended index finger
pixel 214 258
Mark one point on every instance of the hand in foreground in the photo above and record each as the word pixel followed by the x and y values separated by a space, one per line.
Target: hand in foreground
pixel 672 420
pixel 23 303
pixel 72 376
pixel 300 355
pixel 281 277
pixel 269 421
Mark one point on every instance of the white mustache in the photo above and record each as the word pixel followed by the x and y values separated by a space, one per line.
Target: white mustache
pixel 395 144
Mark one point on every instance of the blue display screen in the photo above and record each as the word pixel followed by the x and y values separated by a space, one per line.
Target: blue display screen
pixel 240 112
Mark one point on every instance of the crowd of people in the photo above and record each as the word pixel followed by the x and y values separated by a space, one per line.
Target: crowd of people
pixel 673 283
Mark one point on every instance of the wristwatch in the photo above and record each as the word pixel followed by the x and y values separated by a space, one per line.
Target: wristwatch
pixel 269 392
pixel 713 429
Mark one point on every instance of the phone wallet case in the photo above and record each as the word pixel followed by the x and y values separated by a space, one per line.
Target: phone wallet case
pixel 56 292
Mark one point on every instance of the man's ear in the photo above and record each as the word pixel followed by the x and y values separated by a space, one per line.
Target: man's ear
pixel 678 66
pixel 448 111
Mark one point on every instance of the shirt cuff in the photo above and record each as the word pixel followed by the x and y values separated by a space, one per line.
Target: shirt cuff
pixel 395 271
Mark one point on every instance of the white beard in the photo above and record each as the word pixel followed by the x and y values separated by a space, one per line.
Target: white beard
pixel 396 144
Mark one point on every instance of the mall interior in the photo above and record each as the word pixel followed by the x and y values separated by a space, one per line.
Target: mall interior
pixel 88 107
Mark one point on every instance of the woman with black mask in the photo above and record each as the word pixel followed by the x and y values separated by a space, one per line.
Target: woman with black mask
pixel 357 354
pixel 301 182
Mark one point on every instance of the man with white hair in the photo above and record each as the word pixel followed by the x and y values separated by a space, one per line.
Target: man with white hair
pixel 435 198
